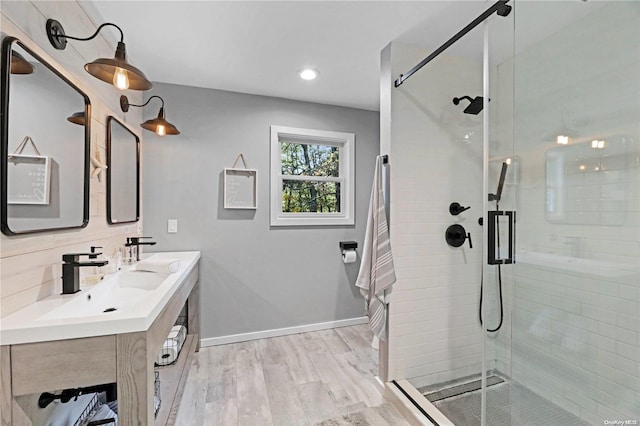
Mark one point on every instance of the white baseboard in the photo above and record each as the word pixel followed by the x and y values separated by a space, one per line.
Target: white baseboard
pixel 235 338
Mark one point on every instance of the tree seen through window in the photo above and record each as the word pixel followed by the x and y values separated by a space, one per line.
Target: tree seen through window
pixel 308 194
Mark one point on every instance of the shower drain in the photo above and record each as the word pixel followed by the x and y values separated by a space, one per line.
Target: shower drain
pixel 460 389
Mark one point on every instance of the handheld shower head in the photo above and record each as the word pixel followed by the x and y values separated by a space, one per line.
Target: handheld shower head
pixel 475 105
pixel 503 175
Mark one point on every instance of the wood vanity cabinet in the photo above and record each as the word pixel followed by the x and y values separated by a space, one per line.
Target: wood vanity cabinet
pixel 127 359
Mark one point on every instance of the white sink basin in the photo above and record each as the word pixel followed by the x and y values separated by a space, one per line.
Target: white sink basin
pixel 124 302
pixel 119 292
pixel 140 279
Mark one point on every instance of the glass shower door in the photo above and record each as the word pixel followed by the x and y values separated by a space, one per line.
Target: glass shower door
pixel 574 354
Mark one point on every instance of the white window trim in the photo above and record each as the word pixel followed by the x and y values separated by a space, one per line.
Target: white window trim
pixel 346 143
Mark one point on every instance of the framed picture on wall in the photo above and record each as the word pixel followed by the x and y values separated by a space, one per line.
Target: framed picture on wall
pixel 29 175
pixel 240 186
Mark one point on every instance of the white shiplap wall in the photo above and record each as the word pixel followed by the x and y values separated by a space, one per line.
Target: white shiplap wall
pixel 30 265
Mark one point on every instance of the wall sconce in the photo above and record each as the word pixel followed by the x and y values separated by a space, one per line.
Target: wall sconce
pixel 77 118
pixel 116 70
pixel 19 65
pixel 158 125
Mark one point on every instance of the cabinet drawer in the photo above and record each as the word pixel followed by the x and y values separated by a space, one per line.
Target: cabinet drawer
pixel 47 366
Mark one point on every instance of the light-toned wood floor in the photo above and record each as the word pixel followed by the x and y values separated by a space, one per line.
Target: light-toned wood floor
pixel 301 379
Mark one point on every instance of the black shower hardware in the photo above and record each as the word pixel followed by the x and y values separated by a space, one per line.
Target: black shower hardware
pixel 456 235
pixel 503 174
pixel 455 209
pixel 475 106
pixel 501 8
pixel 494 254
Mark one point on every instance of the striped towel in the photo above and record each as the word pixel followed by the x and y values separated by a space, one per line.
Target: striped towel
pixel 376 274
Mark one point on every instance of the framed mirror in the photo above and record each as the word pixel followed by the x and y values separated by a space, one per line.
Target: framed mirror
pixel 45 145
pixel 123 173
pixel 588 183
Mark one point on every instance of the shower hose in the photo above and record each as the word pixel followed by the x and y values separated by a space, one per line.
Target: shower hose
pixel 493 330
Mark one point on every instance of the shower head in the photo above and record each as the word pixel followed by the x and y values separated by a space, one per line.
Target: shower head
pixel 474 107
pixel 503 175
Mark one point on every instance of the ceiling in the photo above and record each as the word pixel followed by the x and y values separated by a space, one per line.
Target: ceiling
pixel 257 47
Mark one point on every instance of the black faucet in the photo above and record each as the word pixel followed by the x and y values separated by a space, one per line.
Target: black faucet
pixel 135 241
pixel 71 273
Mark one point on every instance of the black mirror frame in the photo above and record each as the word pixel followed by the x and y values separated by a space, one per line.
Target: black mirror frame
pixel 5 71
pixel 110 121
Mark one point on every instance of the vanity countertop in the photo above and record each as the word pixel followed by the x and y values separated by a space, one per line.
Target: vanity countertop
pixel 137 296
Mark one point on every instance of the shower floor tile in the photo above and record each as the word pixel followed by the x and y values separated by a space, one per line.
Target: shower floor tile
pixel 509 404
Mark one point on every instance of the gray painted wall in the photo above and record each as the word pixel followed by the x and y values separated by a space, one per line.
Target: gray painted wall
pixel 253 277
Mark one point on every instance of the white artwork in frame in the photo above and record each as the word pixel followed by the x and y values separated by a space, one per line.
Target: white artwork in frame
pixel 30 177
pixel 240 188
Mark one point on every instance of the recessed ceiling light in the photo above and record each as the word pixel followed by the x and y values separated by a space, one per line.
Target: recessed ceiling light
pixel 308 74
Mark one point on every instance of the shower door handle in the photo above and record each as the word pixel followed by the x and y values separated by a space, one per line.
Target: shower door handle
pixel 494 255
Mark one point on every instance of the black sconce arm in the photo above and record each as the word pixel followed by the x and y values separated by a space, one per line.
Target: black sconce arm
pixel 58 38
pixel 149 100
pixel 124 104
pixel 92 36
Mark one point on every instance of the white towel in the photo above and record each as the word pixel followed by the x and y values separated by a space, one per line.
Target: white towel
pixel 104 413
pixel 163 266
pixel 377 273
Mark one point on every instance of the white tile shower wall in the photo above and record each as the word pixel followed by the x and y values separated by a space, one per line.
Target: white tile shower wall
pixel 576 333
pixel 434 331
pixel 30 265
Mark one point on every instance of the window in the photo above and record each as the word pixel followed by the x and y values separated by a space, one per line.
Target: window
pixel 312 177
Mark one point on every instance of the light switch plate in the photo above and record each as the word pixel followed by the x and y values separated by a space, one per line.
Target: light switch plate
pixel 172 226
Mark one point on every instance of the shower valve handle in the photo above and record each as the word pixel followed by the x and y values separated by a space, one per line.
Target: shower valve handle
pixel 455 236
pixel 455 209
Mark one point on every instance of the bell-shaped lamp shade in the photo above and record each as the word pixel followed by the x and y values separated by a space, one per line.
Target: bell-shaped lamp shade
pixel 19 65
pixel 160 126
pixel 118 71
pixel 77 118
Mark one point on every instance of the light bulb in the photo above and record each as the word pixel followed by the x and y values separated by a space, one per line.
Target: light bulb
pixel 161 130
pixel 121 79
pixel 508 161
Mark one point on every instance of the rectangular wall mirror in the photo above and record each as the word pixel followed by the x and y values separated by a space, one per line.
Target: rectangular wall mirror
pixel 123 173
pixel 45 145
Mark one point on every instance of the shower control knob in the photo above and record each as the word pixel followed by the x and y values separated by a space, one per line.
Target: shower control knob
pixel 456 236
pixel 455 209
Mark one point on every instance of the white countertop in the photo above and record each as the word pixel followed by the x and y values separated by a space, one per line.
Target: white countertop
pixel 138 297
